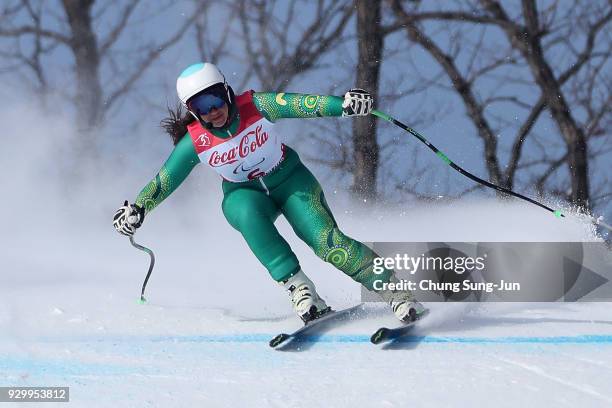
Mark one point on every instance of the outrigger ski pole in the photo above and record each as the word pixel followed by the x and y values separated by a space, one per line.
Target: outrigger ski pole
pixel 151 264
pixel 445 159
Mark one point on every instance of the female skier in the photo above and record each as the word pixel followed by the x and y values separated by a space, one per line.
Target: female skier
pixel 263 178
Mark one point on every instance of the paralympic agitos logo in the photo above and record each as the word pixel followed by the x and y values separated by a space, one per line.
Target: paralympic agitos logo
pixel 247 145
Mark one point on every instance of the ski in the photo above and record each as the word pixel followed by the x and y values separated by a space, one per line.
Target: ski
pixel 385 334
pixel 332 315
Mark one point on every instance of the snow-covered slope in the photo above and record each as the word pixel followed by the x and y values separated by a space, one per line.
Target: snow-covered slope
pixel 69 316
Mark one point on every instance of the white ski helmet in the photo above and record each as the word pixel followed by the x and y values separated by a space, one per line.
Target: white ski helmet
pixel 202 78
pixel 196 78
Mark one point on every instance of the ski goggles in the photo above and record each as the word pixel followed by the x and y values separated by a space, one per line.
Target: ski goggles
pixel 207 100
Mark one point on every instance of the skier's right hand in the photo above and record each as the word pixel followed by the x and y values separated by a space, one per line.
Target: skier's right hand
pixel 128 218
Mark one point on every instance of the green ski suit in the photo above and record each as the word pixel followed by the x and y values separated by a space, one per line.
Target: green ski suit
pixel 252 206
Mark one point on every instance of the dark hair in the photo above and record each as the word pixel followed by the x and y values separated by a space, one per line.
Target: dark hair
pixel 176 123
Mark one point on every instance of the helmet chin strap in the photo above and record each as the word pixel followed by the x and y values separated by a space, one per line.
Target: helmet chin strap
pixel 232 108
pixel 199 119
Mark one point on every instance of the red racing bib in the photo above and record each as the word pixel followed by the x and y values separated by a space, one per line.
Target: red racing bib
pixel 253 151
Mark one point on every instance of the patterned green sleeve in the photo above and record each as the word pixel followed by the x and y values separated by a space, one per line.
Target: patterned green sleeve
pixel 178 166
pixel 293 105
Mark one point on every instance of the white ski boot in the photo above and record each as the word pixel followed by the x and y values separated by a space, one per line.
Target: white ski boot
pixel 306 302
pixel 405 307
pixel 408 310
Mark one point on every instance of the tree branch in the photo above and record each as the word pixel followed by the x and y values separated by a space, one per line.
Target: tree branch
pixel 145 64
pixel 460 84
pixel 119 27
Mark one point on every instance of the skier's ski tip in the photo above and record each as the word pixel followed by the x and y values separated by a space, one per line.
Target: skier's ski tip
pixel 279 339
pixel 384 333
pixel 379 335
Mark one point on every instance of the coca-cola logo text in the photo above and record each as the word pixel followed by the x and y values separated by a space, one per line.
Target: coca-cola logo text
pixel 246 146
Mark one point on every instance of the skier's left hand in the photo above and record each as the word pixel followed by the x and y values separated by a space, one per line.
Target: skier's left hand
pixel 357 102
pixel 128 218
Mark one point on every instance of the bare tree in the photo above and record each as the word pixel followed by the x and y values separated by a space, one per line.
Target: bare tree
pixel 370 38
pixel 279 50
pixel 530 36
pixel 283 42
pixel 211 37
pixel 84 46
pixel 527 39
pixel 23 21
